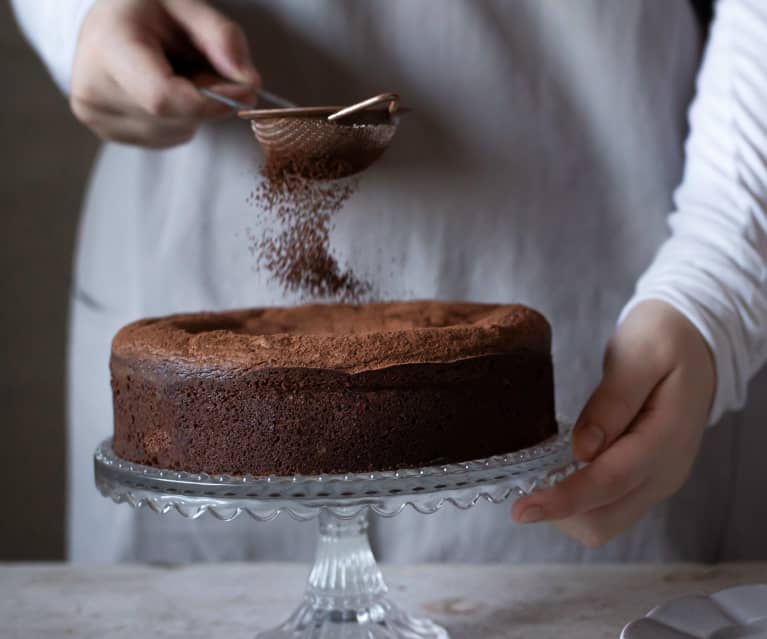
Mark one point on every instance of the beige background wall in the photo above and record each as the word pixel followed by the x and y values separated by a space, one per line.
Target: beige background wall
pixel 44 161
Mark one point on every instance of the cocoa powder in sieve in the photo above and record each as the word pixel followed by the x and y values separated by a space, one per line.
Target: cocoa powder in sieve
pixel 303 195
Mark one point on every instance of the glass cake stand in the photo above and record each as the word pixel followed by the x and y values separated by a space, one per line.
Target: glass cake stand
pixel 345 594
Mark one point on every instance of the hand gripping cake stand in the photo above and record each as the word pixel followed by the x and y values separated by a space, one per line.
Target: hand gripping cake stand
pixel 345 594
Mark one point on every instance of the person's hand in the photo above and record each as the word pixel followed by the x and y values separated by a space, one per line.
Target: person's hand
pixel 641 428
pixel 126 84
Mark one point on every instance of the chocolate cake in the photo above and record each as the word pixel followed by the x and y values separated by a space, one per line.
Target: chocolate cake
pixel 332 388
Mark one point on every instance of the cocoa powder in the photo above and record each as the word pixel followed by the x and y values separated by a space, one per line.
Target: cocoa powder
pixel 302 196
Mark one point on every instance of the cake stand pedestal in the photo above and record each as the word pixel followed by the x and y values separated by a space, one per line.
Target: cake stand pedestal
pixel 345 596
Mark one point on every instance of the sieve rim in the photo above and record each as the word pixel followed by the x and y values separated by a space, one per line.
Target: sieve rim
pixel 383 102
pixel 302 112
pixel 293 112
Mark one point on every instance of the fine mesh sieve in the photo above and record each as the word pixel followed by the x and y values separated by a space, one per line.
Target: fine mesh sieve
pixel 326 142
pixel 316 142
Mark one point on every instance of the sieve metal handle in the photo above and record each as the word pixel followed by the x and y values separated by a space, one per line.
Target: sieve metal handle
pixel 234 104
pixel 281 102
pixel 391 98
pixel 241 106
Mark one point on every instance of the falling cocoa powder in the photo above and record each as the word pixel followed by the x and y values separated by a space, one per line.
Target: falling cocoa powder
pixel 303 196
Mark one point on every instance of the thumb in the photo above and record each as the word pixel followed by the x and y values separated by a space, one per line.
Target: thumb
pixel 218 38
pixel 630 374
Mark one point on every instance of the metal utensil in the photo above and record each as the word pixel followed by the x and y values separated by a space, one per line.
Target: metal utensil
pixel 348 139
pixel 341 141
pixel 740 611
pixel 241 106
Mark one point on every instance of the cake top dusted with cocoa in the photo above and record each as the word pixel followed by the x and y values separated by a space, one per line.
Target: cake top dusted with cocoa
pixel 341 337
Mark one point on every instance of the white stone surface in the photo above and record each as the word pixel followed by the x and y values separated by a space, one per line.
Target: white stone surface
pixel 237 600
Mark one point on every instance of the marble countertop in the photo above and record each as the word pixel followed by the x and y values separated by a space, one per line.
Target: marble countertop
pixel 237 600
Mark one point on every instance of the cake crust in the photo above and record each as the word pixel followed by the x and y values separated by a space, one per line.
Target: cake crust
pixel 346 337
pixel 331 388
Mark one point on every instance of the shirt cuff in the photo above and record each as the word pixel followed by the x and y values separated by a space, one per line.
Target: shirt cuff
pixel 53 28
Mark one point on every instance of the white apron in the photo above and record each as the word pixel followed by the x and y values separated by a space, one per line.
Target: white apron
pixel 537 167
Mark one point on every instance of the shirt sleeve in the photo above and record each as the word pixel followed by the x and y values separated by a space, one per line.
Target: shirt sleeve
pixel 713 267
pixel 53 27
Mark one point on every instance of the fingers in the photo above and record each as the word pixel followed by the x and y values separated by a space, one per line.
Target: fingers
pixel 141 70
pixel 220 39
pixel 615 473
pixel 612 406
pixel 129 129
pixel 631 372
pixel 595 528
pixel 144 84
pixel 122 69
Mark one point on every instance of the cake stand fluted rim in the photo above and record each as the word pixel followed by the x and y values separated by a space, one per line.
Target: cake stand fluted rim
pixel 385 493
